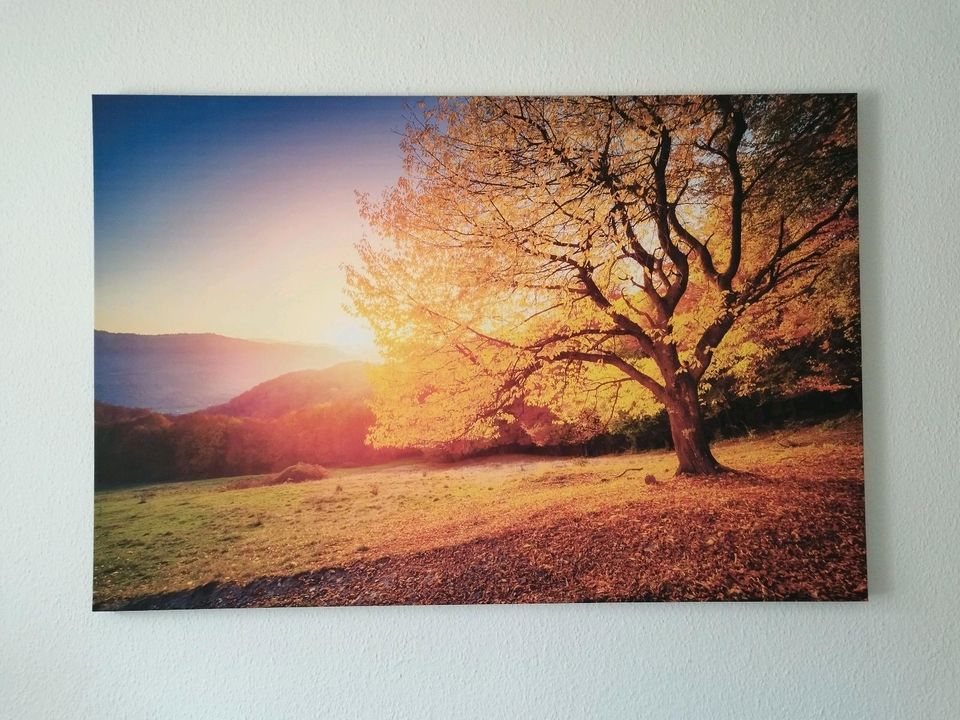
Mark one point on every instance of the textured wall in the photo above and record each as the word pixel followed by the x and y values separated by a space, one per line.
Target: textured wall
pixel 893 657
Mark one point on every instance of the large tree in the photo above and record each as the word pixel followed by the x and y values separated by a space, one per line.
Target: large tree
pixel 561 262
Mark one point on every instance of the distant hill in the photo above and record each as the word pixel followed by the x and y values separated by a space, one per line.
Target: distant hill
pixel 341 383
pixel 187 372
pixel 313 416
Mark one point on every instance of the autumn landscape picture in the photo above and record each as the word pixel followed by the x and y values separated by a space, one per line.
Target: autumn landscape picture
pixel 389 350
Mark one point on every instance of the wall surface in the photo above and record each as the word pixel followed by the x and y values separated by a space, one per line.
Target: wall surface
pixel 896 656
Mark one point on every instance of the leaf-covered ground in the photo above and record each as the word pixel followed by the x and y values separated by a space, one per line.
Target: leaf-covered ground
pixel 790 526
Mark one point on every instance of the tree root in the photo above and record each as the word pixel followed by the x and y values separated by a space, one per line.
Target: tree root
pixel 649 479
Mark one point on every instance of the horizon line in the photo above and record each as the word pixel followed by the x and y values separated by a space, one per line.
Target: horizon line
pixel 271 341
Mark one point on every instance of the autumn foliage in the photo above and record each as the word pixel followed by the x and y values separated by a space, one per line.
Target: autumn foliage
pixel 620 344
pixel 564 265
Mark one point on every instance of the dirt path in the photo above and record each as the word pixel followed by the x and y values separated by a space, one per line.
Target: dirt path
pixel 735 538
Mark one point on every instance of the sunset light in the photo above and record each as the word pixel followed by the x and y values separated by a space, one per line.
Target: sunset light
pixel 234 215
pixel 476 350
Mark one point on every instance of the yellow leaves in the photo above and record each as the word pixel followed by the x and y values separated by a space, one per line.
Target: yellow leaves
pixel 525 231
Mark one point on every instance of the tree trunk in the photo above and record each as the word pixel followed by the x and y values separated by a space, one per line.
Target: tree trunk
pixel 689 432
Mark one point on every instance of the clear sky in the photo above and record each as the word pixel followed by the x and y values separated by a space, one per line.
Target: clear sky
pixel 233 215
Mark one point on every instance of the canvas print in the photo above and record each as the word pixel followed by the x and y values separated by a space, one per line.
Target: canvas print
pixel 405 350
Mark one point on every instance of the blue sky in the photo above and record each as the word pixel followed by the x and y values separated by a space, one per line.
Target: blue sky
pixel 235 214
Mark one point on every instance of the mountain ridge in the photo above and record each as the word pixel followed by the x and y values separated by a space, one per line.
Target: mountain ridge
pixel 178 373
pixel 300 389
pixel 316 416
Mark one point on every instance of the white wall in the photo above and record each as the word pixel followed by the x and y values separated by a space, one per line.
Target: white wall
pixel 893 657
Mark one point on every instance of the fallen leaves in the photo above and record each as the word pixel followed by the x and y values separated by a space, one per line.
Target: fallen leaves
pixel 791 529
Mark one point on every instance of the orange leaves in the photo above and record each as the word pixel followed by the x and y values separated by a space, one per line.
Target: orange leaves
pixel 534 531
pixel 531 237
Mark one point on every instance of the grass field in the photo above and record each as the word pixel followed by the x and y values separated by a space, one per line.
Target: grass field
pixel 503 529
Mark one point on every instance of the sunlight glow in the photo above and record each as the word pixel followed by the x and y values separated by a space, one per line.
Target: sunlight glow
pixel 217 216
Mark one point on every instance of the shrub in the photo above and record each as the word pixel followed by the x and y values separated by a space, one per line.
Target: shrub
pixel 301 472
